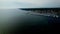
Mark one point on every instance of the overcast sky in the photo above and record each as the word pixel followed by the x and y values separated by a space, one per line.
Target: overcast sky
pixel 29 3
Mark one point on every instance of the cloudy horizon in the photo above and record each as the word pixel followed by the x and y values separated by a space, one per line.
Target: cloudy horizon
pixel 29 3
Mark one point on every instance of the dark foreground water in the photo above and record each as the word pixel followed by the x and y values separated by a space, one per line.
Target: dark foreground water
pixel 13 21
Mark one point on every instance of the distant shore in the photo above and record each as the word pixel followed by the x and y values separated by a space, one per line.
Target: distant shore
pixel 55 11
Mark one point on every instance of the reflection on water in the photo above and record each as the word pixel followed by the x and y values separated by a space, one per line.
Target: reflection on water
pixel 10 19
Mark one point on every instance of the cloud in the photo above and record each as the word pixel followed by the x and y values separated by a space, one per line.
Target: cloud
pixel 39 3
pixel 29 3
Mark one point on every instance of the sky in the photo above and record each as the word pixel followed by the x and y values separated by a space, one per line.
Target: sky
pixel 29 3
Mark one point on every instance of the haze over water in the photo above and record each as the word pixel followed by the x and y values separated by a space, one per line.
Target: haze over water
pixel 10 18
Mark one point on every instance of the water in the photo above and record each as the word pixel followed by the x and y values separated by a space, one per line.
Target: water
pixel 15 19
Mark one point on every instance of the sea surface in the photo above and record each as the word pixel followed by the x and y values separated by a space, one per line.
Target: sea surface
pixel 16 19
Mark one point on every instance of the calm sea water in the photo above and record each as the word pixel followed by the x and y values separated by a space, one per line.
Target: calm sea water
pixel 12 19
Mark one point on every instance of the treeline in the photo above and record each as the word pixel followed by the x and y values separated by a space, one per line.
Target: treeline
pixel 47 11
pixel 44 10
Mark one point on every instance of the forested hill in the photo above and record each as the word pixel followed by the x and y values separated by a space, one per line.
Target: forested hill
pixel 40 8
pixel 43 10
